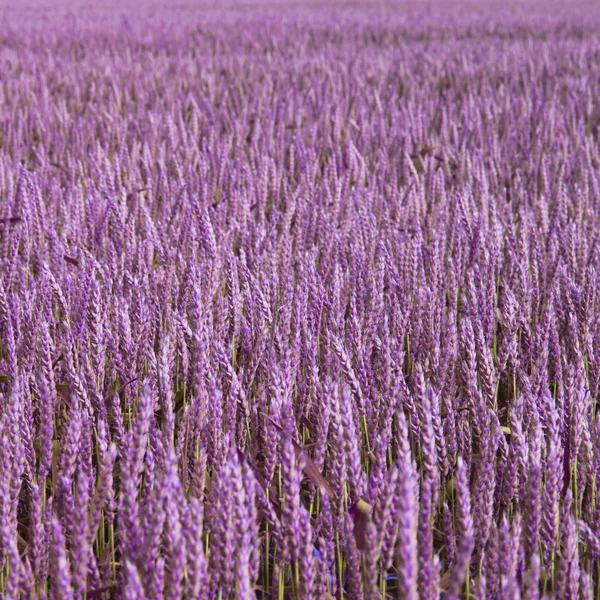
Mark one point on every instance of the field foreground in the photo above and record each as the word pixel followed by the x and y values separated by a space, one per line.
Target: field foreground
pixel 300 303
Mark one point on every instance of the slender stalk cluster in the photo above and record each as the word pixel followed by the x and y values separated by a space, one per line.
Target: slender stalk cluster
pixel 299 304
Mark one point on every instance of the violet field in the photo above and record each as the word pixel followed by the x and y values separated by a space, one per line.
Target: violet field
pixel 300 302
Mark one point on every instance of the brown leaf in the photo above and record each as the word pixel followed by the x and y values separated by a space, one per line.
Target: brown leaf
pixel 361 512
pixel 304 421
pixel 63 393
pixel 71 260
pixel 445 580
pixel 126 384
pixel 57 361
pixel 310 469
pixel 118 391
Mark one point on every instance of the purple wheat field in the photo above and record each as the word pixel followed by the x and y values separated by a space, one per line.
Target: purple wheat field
pixel 300 301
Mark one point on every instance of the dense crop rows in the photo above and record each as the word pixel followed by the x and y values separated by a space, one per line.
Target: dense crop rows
pixel 299 308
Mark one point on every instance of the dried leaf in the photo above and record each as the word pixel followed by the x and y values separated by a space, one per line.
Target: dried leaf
pixel 361 513
pixel 71 260
pixel 63 393
pixel 310 469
